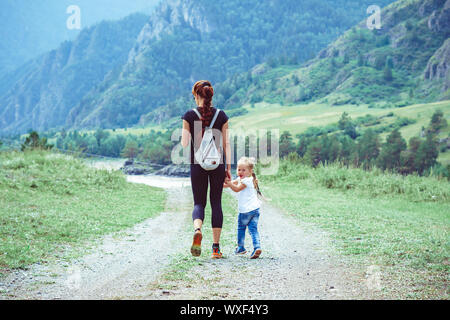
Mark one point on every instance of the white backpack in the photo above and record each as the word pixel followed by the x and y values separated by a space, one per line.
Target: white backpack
pixel 207 156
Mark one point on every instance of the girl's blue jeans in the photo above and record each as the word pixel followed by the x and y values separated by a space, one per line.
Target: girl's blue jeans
pixel 250 220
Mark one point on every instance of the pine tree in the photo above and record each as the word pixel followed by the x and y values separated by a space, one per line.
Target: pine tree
pixel 387 74
pixel 368 148
pixel 389 157
pixel 437 122
pixel 302 145
pixel 427 154
pixel 286 144
pixel 33 141
pixel 346 124
pixel 313 154
pixel 408 156
pixel 344 120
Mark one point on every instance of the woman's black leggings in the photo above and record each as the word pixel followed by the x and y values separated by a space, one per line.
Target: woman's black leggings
pixel 199 182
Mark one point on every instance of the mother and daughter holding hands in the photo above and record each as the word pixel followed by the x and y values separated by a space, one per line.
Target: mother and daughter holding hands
pixel 207 168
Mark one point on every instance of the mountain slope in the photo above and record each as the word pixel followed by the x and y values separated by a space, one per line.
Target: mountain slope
pixel 404 62
pixel 48 87
pixel 188 40
pixel 183 41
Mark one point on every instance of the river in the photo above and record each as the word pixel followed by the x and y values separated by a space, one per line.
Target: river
pixel 150 180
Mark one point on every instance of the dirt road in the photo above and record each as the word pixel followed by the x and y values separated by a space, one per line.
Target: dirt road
pixel 298 262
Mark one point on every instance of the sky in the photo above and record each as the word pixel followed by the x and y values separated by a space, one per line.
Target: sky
pixel 31 27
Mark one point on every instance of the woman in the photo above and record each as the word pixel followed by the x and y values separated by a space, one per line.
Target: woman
pixel 203 93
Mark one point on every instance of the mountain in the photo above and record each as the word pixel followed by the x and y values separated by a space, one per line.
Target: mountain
pixel 188 40
pixel 30 28
pixel 404 62
pixel 183 41
pixel 50 85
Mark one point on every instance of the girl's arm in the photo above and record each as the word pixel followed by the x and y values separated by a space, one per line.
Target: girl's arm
pixel 237 188
pixel 225 184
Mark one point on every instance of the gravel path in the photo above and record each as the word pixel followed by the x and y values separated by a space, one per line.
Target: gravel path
pixel 297 263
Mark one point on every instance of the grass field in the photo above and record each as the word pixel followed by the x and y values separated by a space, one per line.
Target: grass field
pixel 399 224
pixel 48 201
pixel 298 118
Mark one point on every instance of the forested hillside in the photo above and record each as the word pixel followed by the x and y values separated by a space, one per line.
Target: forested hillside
pixel 404 62
pixel 183 41
pixel 48 87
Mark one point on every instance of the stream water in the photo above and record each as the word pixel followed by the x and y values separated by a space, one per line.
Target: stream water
pixel 151 180
pixel 160 181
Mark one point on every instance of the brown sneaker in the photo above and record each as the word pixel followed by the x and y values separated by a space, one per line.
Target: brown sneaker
pixel 196 248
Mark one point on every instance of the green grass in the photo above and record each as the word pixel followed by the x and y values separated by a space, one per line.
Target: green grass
pixel 398 223
pixel 298 118
pixel 49 201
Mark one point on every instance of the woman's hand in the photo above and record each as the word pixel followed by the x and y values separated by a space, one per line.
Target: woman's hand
pixel 228 173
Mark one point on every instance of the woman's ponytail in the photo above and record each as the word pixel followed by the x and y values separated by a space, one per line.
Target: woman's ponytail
pixel 205 90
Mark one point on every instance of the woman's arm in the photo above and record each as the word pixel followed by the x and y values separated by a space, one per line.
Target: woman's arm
pixel 185 134
pixel 227 148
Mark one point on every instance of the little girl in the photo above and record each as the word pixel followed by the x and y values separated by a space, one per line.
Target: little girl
pixel 248 204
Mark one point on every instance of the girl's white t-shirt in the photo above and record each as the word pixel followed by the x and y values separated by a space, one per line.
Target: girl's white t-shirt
pixel 247 198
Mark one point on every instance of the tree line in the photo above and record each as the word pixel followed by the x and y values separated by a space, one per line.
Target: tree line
pixel 154 146
pixel 340 142
pixel 366 149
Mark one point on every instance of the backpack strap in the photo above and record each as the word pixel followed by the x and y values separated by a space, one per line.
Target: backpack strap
pixel 213 120
pixel 198 113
